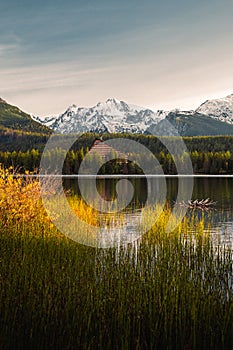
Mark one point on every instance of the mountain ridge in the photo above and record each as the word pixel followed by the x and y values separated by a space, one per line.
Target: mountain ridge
pixel 220 108
pixel 213 117
pixel 118 116
pixel 18 131
pixel 11 117
pixel 110 116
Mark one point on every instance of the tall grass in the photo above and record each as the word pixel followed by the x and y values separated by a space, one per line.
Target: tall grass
pixel 166 291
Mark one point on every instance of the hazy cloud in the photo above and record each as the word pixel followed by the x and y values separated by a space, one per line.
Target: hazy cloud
pixel 157 54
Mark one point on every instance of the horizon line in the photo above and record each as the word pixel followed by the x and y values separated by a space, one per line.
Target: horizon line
pixel 123 176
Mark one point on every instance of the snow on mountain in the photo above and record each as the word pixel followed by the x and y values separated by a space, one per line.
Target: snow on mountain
pixel 110 116
pixel 48 121
pixel 220 109
pixel 114 116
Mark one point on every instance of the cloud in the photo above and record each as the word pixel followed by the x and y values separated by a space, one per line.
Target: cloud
pixel 82 52
pixel 7 48
pixel 47 76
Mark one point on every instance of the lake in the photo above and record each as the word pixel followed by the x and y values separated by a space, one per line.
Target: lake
pixel 218 189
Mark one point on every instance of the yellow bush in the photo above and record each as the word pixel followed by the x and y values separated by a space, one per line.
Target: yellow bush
pixel 19 198
pixel 20 201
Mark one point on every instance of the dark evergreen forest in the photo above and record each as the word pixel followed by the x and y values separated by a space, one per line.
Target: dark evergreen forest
pixel 209 155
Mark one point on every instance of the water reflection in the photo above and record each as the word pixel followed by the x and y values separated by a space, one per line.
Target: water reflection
pixel 107 189
pixel 217 189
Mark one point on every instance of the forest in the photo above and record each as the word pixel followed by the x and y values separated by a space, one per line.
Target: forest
pixel 209 155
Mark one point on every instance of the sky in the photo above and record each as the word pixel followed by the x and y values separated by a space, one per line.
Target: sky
pixel 157 54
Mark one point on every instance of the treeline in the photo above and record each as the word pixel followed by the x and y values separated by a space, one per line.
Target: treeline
pixel 15 140
pixel 203 162
pixel 194 143
pixel 209 155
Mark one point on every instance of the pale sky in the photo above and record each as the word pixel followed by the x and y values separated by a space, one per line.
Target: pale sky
pixel 157 54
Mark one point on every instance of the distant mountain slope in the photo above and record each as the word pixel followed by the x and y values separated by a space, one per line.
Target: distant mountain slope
pixel 18 131
pixel 191 124
pixel 110 116
pixel 220 109
pixel 12 117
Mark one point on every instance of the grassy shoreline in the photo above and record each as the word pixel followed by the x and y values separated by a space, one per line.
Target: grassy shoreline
pixel 165 291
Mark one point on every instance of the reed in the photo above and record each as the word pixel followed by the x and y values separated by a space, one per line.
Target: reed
pixel 164 291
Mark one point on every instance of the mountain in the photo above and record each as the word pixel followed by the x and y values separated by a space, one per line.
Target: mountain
pixel 113 116
pixel 18 131
pixel 214 117
pixel 13 118
pixel 190 124
pixel 220 109
pixel 110 116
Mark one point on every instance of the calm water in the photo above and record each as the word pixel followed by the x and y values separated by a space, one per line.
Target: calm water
pixel 219 190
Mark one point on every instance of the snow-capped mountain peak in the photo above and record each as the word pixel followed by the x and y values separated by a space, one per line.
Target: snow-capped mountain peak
pixel 113 101
pixel 220 109
pixel 110 116
pixel 115 116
